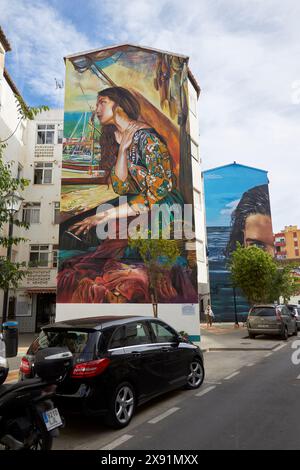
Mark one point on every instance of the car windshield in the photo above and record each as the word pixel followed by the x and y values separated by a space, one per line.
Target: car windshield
pixel 80 343
pixel 263 312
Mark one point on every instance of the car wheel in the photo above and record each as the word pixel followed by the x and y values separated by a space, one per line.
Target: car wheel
pixel 196 375
pixel 122 406
pixel 296 331
pixel 285 335
pixel 251 336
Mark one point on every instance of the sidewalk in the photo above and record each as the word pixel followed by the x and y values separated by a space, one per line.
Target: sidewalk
pixel 225 337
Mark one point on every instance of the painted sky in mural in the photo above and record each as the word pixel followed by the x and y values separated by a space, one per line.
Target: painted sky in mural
pixel 126 146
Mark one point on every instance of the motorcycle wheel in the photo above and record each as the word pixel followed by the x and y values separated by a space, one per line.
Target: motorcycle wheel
pixel 43 439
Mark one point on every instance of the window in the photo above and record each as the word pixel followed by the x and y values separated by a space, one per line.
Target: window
pixel 56 209
pixel 39 255
pixel 297 252
pixel 54 256
pixel 43 173
pixel 60 136
pixel 163 333
pixel 45 134
pixel 197 199
pixel 194 150
pixel 193 104
pixel 31 213
pixel 117 340
pixel 136 334
pixel 20 171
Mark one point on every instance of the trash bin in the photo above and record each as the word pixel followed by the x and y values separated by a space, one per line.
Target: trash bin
pixel 10 336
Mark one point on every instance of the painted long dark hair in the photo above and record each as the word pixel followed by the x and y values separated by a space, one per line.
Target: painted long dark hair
pixel 109 147
pixel 254 201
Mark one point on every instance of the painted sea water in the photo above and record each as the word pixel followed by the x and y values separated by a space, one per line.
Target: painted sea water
pixel 222 293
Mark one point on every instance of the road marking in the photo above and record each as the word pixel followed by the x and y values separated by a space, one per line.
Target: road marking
pixel 117 442
pixel 204 392
pixel 268 355
pixel 212 383
pixel 232 375
pixel 163 415
pixel 279 347
pixel 251 364
pixel 298 378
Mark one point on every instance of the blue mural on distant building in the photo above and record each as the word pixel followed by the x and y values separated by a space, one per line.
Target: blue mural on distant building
pixel 237 210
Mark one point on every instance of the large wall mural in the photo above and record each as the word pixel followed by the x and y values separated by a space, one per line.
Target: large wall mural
pixel 237 210
pixel 126 152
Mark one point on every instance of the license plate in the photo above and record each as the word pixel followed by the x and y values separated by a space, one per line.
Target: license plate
pixel 263 326
pixel 52 419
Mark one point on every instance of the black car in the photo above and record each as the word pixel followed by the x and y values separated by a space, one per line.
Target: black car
pixel 119 363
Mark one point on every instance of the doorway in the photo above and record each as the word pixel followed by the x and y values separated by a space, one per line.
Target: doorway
pixel 45 310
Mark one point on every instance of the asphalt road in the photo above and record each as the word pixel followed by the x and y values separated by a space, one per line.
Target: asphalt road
pixel 248 401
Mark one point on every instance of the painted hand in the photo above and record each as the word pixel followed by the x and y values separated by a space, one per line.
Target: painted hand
pixel 89 222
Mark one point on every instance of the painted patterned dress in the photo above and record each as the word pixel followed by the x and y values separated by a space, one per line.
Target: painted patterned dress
pixel 150 176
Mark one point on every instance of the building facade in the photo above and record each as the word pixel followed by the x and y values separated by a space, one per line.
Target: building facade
pixel 129 84
pixel 287 243
pixel 237 211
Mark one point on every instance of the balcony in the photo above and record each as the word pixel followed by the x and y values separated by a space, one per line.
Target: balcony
pixel 280 243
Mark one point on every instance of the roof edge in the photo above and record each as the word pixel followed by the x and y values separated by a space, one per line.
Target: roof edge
pixel 138 46
pixel 235 164
pixel 4 41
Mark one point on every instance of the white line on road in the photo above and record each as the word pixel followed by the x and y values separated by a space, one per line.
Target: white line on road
pixel 268 355
pixel 279 347
pixel 117 442
pixel 232 375
pixel 251 364
pixel 163 415
pixel 298 378
pixel 204 392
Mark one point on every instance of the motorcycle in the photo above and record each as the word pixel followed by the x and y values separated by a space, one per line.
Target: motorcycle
pixel 28 418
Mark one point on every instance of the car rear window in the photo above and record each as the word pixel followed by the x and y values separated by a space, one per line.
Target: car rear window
pixel 80 343
pixel 263 312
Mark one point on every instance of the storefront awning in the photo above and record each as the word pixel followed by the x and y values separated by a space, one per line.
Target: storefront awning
pixel 41 290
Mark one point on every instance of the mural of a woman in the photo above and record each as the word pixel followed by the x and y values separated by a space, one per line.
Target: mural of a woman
pixel 137 156
pixel 139 166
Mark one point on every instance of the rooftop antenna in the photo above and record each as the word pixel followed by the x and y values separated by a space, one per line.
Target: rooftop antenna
pixel 59 84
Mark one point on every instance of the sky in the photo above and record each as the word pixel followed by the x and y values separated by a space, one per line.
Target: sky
pixel 245 55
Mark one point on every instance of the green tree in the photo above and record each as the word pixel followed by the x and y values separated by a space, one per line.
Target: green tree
pixel 253 271
pixel 285 284
pixel 158 255
pixel 11 273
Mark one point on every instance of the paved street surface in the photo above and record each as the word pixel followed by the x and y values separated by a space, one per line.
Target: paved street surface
pixel 248 401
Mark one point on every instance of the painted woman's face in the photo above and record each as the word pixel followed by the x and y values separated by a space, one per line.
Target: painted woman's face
pixel 259 232
pixel 104 110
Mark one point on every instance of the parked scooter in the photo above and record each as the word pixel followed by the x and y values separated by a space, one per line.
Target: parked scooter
pixel 28 418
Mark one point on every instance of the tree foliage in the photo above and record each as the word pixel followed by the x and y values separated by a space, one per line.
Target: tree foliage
pixel 158 255
pixel 259 277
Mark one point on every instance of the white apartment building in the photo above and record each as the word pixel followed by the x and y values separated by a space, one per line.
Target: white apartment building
pixel 36 296
pixel 35 148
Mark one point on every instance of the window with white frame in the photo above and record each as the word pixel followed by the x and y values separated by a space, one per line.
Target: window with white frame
pixel 200 251
pixel 31 212
pixel 197 199
pixel 193 104
pixel 54 256
pixel 194 150
pixel 43 173
pixel 60 136
pixel 56 212
pixel 39 255
pixel 45 134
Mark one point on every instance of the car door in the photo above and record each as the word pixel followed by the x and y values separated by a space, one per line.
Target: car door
pixel 175 358
pixel 143 357
pixel 288 319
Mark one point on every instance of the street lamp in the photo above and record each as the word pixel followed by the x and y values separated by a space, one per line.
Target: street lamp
pixel 12 203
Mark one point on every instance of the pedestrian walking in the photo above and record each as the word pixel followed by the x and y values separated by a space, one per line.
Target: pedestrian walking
pixel 209 315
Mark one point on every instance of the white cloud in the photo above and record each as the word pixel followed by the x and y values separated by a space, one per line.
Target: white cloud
pixel 39 38
pixel 230 207
pixel 245 54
